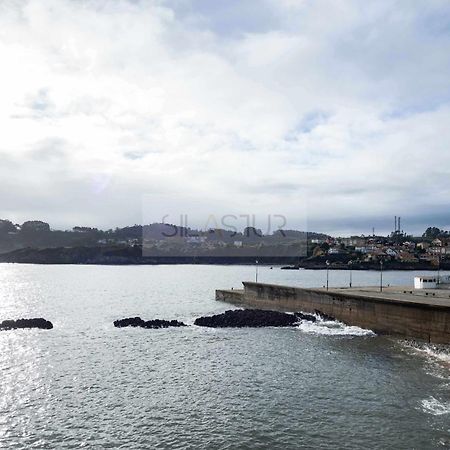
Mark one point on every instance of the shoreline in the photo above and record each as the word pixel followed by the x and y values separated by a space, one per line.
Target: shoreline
pixel 273 266
pixel 132 256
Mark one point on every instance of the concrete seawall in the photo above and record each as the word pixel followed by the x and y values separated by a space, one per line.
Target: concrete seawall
pixel 397 311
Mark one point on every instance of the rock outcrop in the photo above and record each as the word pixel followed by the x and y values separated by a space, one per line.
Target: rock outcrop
pixel 26 323
pixel 248 318
pixel 155 323
pixel 304 316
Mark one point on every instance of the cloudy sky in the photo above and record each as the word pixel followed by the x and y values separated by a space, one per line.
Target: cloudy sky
pixel 337 111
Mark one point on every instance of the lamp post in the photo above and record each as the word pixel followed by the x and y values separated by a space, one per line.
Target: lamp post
pixel 256 271
pixel 350 264
pixel 439 266
pixel 328 266
pixel 381 275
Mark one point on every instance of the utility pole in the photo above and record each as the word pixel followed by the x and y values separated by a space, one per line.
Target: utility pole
pixel 328 266
pixel 439 266
pixel 381 275
pixel 350 264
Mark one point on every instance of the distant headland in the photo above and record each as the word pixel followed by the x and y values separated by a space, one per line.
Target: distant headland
pixel 37 243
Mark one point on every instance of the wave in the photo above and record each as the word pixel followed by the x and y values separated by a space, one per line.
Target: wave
pixel 440 355
pixel 332 328
pixel 435 407
pixel 432 352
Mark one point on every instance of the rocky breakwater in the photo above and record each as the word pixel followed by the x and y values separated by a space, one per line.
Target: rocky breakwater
pixel 252 318
pixel 26 323
pixel 153 324
pixel 238 318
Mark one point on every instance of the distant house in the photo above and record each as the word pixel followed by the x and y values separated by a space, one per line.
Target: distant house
pixel 365 249
pixel 439 251
pixel 392 253
pixel 436 243
pixel 423 245
pixel 353 241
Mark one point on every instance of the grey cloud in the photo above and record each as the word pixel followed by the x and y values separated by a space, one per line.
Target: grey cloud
pixel 414 224
pixel 249 100
pixel 231 18
pixel 49 149
pixel 139 154
pixel 270 187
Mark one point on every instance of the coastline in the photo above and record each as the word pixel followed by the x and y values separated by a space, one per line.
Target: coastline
pixel 133 256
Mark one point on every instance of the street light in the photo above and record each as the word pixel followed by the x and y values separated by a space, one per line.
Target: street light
pixel 328 266
pixel 256 271
pixel 439 266
pixel 350 264
pixel 381 275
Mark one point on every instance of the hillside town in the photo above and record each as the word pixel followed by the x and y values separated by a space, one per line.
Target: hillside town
pixel 430 248
pixel 303 249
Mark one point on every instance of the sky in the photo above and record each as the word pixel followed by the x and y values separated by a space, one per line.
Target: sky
pixel 334 114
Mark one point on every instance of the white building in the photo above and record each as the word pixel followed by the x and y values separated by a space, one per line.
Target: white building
pixel 364 250
pixel 432 282
pixel 425 282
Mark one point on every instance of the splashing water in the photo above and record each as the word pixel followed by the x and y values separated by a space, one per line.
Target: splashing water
pixel 435 407
pixel 332 328
pixel 433 352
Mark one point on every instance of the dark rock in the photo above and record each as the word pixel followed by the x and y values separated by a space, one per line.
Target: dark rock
pixel 156 323
pixel 324 316
pixel 303 316
pixel 248 318
pixel 129 322
pixel 26 323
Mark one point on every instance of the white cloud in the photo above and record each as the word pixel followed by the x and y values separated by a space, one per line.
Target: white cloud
pixel 264 102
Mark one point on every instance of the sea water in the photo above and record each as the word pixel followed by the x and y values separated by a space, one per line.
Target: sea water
pixel 86 384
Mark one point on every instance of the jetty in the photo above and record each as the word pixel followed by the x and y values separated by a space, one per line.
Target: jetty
pixel 396 310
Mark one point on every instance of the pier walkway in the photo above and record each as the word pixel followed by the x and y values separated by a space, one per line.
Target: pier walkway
pixel 397 310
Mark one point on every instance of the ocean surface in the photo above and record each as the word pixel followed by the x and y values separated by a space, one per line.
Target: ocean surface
pixel 86 384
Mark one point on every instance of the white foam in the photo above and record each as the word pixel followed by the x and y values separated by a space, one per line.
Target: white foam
pixel 437 354
pixel 435 407
pixel 332 328
pixel 434 353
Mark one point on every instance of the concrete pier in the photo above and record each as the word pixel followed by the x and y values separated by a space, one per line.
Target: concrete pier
pixel 401 311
